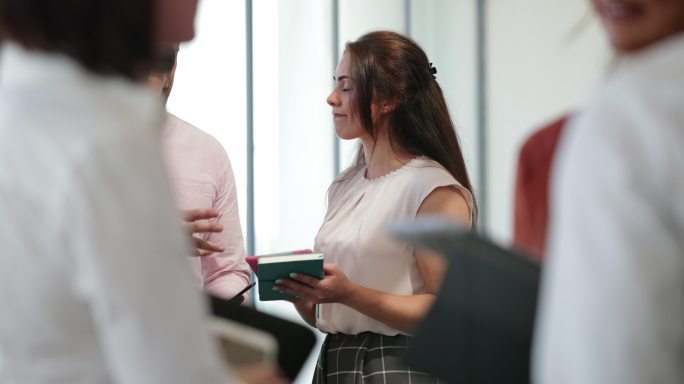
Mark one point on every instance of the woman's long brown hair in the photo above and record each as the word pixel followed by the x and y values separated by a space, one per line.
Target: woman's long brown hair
pixel 389 67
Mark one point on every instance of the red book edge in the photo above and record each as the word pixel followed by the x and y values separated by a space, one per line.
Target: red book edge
pixel 253 261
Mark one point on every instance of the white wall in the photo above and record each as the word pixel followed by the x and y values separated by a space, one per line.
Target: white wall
pixel 539 66
pixel 293 131
pixel 306 140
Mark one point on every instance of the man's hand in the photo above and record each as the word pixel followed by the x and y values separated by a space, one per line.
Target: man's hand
pixel 196 223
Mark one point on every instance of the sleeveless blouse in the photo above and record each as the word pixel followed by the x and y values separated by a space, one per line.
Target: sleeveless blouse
pixel 354 237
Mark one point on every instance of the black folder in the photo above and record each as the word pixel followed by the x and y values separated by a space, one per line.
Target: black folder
pixel 295 341
pixel 480 328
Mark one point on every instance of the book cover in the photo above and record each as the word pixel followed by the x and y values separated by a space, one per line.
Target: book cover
pixel 253 261
pixel 279 266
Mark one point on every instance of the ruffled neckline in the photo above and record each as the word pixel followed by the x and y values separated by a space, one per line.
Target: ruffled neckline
pixel 387 175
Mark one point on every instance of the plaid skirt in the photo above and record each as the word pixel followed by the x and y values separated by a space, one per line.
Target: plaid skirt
pixel 367 358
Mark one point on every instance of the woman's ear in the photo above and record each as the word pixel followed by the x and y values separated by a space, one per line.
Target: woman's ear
pixel 388 106
pixel 380 109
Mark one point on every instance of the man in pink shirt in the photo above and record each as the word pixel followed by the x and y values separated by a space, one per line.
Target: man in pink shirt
pixel 204 188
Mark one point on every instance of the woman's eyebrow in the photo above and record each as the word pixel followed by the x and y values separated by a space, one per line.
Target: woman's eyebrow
pixel 340 78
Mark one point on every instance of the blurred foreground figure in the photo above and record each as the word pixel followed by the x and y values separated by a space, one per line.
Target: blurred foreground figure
pixel 612 306
pixel 94 284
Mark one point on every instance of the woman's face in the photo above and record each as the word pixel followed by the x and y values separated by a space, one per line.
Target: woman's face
pixel 635 24
pixel 347 123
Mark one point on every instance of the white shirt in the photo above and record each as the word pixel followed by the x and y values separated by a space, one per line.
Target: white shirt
pixel 94 282
pixel 612 303
pixel 354 237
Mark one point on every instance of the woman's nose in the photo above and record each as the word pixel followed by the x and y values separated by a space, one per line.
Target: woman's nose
pixel 332 99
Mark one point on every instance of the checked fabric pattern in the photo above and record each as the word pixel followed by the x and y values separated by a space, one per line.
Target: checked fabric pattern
pixel 367 358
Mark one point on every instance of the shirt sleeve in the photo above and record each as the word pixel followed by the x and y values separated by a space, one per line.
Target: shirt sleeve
pixel 226 273
pixel 132 271
pixel 612 300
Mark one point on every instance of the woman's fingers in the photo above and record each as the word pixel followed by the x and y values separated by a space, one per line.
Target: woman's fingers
pixel 304 279
pixel 295 288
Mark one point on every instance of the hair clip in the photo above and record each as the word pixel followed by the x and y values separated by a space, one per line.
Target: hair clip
pixel 433 71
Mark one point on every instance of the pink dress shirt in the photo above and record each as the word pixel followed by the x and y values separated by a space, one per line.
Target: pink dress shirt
pixel 202 177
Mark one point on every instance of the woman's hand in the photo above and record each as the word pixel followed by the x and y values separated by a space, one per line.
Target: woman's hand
pixel 335 287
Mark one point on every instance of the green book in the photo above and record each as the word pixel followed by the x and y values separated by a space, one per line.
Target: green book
pixel 280 266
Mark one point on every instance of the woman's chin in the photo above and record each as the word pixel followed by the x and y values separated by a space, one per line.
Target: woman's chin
pixel 345 135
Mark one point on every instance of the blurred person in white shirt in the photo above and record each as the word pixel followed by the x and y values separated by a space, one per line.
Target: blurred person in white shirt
pixel 612 302
pixel 93 281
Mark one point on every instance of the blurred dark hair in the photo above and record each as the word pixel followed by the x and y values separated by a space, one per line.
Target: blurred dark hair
pixel 107 37
pixel 165 59
pixel 389 67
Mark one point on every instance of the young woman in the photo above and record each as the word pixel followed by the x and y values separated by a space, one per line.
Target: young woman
pixel 612 304
pixel 409 163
